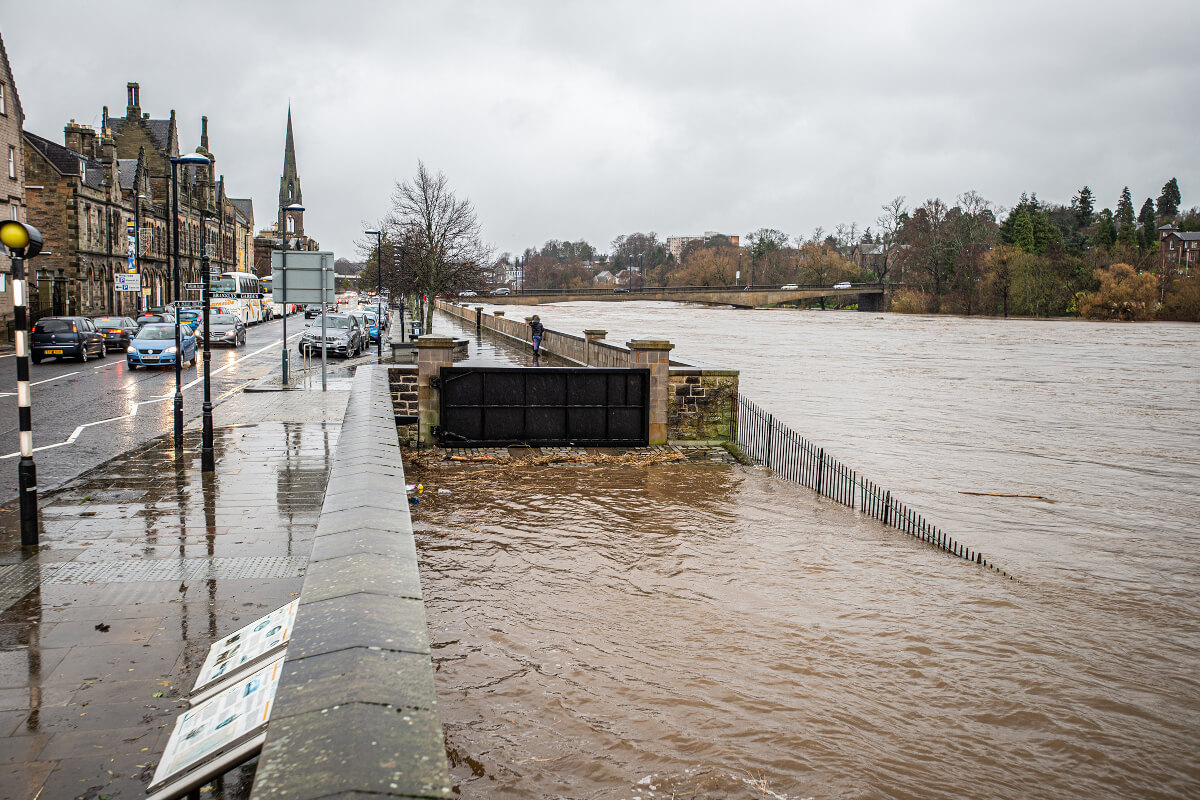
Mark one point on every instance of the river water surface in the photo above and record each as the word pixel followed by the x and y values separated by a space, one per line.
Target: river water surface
pixel 690 631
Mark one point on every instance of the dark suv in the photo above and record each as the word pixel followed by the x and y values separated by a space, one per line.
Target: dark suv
pixel 117 332
pixel 60 337
pixel 344 336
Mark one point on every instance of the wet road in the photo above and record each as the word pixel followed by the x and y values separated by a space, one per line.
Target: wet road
pixel 85 414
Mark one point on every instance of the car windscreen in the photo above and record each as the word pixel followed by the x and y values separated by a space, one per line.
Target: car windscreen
pixel 53 326
pixel 222 319
pixel 110 322
pixel 334 322
pixel 157 332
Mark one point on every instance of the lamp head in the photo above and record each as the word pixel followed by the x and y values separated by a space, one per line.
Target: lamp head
pixel 372 233
pixel 190 160
pixel 22 241
pixel 294 207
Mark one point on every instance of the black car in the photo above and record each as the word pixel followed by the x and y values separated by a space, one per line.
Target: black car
pixel 312 310
pixel 117 332
pixel 60 337
pixel 344 336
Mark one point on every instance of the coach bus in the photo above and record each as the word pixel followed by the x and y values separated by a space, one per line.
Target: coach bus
pixel 240 294
pixel 274 309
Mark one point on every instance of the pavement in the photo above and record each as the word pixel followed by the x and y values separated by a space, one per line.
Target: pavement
pixel 143 563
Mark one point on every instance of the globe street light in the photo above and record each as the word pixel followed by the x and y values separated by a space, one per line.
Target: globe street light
pixel 379 289
pixel 188 160
pixel 23 241
pixel 295 207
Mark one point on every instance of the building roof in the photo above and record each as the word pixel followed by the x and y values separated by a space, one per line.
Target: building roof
pixel 1189 236
pixel 245 207
pixel 62 159
pixel 12 84
pixel 160 130
pixel 127 172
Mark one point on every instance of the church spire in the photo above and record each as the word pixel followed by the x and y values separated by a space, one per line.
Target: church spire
pixel 289 184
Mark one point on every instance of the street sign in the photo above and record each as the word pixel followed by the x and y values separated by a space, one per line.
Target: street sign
pixel 213 737
pixel 222 294
pixel 244 649
pixel 126 282
pixel 194 287
pixel 214 271
pixel 304 271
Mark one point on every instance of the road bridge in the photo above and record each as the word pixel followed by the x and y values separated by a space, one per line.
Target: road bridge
pixel 869 295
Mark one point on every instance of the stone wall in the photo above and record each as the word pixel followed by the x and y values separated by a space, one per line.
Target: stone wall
pixel 701 401
pixel 402 381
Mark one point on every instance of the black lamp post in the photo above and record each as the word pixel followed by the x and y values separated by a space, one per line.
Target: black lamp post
pixel 191 159
pixel 378 289
pixel 137 247
pixel 208 461
pixel 23 241
pixel 283 268
pixel 399 282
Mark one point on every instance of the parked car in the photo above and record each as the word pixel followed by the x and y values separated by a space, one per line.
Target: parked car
pixel 117 332
pixel 344 300
pixel 154 346
pixel 468 293
pixel 372 327
pixel 312 310
pixel 225 329
pixel 789 286
pixel 343 336
pixel 60 337
pixel 842 285
pixel 502 291
pixel 620 290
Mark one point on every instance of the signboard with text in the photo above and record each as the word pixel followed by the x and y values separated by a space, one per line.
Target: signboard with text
pixel 244 649
pixel 304 272
pixel 127 282
pixel 131 248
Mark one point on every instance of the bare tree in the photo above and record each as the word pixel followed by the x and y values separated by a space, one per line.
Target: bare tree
pixel 440 237
pixel 890 222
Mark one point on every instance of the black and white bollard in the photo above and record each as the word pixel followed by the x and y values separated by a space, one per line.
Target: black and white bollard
pixel 23 241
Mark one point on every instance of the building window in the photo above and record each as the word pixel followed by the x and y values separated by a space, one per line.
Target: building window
pixel 12 161
pixel 3 101
pixel 14 211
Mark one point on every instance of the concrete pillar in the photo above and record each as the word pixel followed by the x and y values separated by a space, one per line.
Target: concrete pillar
pixel 478 317
pixel 593 335
pixel 433 353
pixel 654 354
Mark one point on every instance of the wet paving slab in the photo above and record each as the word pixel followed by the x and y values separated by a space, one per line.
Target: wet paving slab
pixel 143 563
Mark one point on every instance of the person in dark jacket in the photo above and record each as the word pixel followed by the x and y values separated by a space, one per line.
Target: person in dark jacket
pixel 536 328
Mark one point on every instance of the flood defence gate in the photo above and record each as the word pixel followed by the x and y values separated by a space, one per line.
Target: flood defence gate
pixel 544 407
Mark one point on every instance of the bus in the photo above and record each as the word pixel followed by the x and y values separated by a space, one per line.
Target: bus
pixel 240 294
pixel 273 309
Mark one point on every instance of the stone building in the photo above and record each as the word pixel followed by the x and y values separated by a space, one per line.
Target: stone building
pixel 1178 250
pixel 12 185
pixel 268 239
pixel 105 194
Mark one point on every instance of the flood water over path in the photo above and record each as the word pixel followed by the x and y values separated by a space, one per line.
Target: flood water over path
pixel 699 626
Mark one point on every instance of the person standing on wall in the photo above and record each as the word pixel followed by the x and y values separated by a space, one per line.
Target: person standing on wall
pixel 536 328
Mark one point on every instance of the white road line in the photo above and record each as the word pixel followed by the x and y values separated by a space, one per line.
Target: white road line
pixel 137 404
pixel 39 383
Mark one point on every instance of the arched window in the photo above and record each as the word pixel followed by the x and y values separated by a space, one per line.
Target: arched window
pixel 291 224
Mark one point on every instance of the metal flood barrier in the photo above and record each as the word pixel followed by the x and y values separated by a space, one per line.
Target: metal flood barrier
pixel 778 447
pixel 544 406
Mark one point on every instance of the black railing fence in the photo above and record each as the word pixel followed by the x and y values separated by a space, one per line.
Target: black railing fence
pixel 791 456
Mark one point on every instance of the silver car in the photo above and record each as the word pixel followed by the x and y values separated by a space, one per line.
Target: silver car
pixel 225 329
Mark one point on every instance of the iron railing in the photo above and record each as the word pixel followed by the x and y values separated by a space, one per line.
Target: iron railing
pixel 794 458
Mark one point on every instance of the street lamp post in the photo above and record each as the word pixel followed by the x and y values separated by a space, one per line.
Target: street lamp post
pixel 208 461
pixel 283 268
pixel 379 289
pixel 400 285
pixel 137 246
pixel 191 159
pixel 23 241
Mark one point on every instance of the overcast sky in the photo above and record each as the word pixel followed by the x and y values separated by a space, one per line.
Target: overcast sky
pixel 575 120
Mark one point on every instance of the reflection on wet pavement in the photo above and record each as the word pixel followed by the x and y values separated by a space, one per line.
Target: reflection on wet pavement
pixel 142 566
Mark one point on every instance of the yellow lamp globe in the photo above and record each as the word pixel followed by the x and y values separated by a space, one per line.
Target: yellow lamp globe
pixel 21 240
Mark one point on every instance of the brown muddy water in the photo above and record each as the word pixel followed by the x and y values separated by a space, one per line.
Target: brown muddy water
pixel 703 631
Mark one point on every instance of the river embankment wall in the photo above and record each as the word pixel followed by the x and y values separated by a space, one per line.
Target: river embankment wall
pixel 356 711
pixel 702 400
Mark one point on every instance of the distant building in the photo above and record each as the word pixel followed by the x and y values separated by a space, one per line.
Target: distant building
pixel 1179 250
pixel 12 185
pixel 604 278
pixel 243 229
pixel 675 244
pixel 289 223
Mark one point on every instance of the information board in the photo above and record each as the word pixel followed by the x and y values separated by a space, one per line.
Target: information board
pixel 209 736
pixel 127 282
pixel 194 287
pixel 304 271
pixel 244 649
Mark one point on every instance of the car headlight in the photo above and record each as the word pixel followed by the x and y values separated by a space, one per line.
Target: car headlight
pixel 171 349
pixel 131 349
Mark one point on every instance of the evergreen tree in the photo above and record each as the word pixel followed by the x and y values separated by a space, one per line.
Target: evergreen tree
pixel 1106 231
pixel 1147 236
pixel 1022 231
pixel 1083 204
pixel 1169 200
pixel 1045 232
pixel 1126 222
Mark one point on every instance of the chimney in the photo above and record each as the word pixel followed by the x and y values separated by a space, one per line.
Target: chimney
pixel 108 155
pixel 73 137
pixel 204 134
pixel 133 107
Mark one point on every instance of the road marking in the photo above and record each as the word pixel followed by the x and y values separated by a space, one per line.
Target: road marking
pixel 154 399
pixel 39 383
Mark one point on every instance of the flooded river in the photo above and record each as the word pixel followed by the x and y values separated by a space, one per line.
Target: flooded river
pixel 711 631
